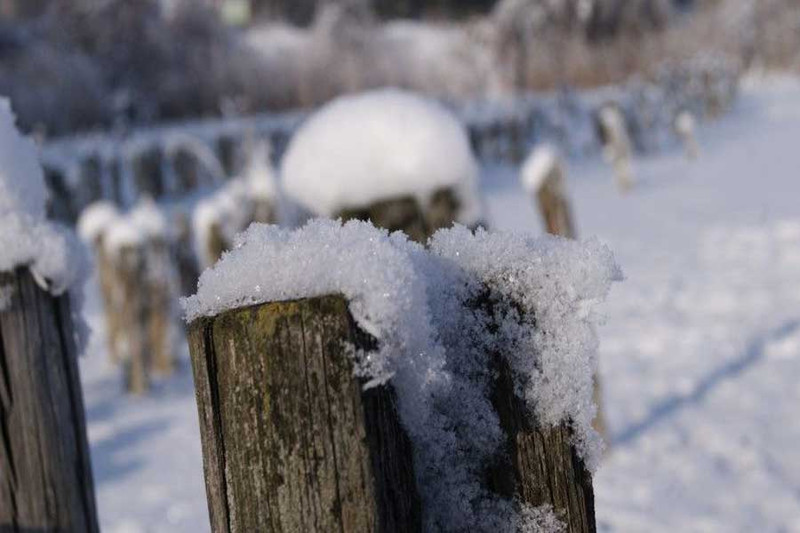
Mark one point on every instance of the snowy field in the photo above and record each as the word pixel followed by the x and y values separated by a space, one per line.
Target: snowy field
pixel 700 354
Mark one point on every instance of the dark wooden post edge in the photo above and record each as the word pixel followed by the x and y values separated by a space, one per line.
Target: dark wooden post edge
pixel 538 464
pixel 45 472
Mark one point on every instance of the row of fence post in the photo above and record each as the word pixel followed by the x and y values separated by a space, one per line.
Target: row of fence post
pixel 286 359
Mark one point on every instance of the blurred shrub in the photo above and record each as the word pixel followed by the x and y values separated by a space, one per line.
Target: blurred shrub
pixel 104 63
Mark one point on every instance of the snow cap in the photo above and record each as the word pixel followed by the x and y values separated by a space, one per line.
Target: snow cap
pixel 95 219
pixel 380 145
pixel 537 167
pixel 26 238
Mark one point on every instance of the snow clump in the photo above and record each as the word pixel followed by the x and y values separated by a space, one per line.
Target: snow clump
pixel 52 253
pixel 380 145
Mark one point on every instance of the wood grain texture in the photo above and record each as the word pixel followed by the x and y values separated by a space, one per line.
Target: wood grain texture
pixel 291 442
pixel 399 214
pixel 45 474
pixel 406 214
pixel 540 466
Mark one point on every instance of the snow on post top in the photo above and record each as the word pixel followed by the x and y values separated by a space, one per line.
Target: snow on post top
pixel 26 238
pixel 538 166
pixel 377 146
pixel 150 220
pixel 95 219
pixel 434 343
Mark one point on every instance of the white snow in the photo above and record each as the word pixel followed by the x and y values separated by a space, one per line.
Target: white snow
pixel 95 219
pixel 54 257
pixel 541 162
pixel 700 353
pixel 376 146
pixel 557 282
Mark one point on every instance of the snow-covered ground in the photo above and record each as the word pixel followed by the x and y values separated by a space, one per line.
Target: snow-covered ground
pixel 700 355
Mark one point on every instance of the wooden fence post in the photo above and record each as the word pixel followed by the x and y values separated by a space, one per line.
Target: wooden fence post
pixel 406 214
pixel 614 135
pixel 160 318
pixel 554 206
pixel 400 214
pixel 45 473
pixel 291 441
pixel 130 305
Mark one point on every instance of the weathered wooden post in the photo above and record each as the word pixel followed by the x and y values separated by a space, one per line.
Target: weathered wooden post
pixel 617 150
pixel 407 214
pixel 159 288
pixel 291 441
pixel 125 248
pixel 401 214
pixel 93 223
pixel 45 473
pixel 443 209
pixel 543 176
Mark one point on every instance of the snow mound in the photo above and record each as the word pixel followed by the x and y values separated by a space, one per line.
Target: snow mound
pixel 376 146
pixel 434 342
pixel 26 238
